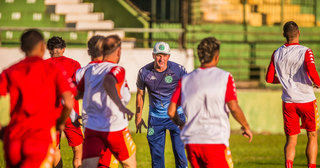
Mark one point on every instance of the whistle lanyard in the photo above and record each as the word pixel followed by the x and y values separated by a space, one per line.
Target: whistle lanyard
pixel 160 85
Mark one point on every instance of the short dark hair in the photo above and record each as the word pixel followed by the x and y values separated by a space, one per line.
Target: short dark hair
pixel 109 44
pixel 29 39
pixel 56 42
pixel 207 49
pixel 92 46
pixel 290 30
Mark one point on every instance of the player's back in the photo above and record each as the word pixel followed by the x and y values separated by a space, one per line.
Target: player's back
pixel 70 65
pixel 203 94
pixel 292 73
pixel 80 72
pixel 33 87
pixel 103 113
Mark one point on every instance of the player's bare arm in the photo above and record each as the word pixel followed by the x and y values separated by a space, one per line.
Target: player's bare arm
pixel 237 113
pixel 173 114
pixel 109 84
pixel 67 107
pixel 139 106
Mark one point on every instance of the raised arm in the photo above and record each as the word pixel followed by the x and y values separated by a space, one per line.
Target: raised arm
pixel 311 67
pixel 139 107
pixel 271 73
pixel 115 76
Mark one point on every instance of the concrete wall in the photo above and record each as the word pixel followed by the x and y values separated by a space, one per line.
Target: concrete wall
pixel 131 59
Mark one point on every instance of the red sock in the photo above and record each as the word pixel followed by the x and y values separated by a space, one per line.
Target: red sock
pixel 312 165
pixel 289 163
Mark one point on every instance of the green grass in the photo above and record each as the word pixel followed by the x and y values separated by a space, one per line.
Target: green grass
pixel 265 151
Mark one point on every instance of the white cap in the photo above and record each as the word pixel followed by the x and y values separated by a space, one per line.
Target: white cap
pixel 161 47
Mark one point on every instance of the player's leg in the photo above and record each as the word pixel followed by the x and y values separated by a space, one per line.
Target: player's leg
pixel 77 156
pixel 130 162
pixel 292 129
pixel 57 161
pixel 75 139
pixel 310 122
pixel 122 147
pixel 177 144
pixel 156 139
pixel 92 147
pixel 312 147
pixel 290 147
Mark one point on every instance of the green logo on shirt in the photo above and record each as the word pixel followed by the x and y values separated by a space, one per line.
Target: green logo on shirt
pixel 150 131
pixel 168 79
pixel 161 47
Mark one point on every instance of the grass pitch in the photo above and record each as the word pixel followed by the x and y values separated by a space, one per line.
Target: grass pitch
pixel 265 151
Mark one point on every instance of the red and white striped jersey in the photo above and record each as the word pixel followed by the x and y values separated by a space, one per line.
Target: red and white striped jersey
pixel 295 67
pixel 203 95
pixel 103 114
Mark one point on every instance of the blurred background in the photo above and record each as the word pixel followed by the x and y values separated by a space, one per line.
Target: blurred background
pixel 250 30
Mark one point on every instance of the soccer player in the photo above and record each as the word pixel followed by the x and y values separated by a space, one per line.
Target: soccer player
pixel 56 46
pixel 160 77
pixel 293 66
pixel 107 159
pixel 204 95
pixel 104 85
pixel 35 88
pixel 96 57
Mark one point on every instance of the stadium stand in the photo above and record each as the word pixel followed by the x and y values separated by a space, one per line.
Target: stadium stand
pixel 257 12
pixel 72 14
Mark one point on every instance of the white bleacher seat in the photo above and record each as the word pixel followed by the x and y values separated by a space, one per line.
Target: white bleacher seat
pixel 54 2
pixel 73 18
pixel 101 25
pixel 73 8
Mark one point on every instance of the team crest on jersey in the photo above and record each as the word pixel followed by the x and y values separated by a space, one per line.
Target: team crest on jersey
pixel 150 131
pixel 168 79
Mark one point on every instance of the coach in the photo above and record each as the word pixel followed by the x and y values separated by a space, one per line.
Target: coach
pixel 160 77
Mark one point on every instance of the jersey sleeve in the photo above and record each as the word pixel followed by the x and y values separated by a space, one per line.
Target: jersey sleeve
pixel 311 67
pixel 3 84
pixel 271 71
pixel 76 68
pixel 182 71
pixel 231 93
pixel 140 80
pixel 64 83
pixel 176 97
pixel 119 73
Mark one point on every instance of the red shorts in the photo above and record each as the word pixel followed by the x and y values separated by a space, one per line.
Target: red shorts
pixel 74 135
pixel 108 160
pixel 37 151
pixel 292 112
pixel 119 143
pixel 209 156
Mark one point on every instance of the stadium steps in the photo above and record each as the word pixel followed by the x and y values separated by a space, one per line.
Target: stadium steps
pixel 80 16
